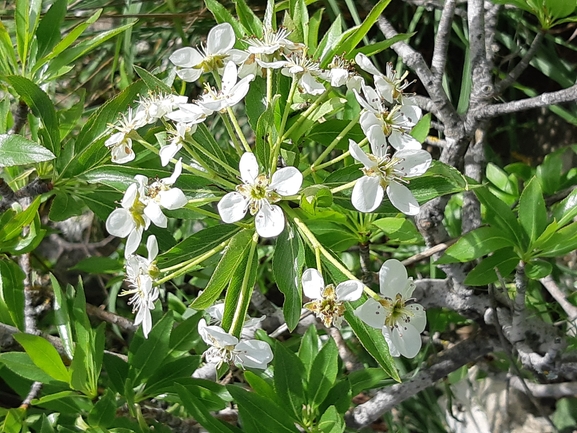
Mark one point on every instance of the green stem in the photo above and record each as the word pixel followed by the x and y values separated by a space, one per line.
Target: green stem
pixel 276 148
pixel 344 187
pixel 332 161
pixel 238 129
pixel 332 145
pixel 306 114
pixel 231 133
pixel 182 268
pixel 245 293
pixel 212 157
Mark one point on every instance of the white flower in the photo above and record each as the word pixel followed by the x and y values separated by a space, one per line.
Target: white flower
pixel 227 348
pixel 129 220
pixel 216 313
pixel 219 49
pixel 158 105
pixel 190 114
pixel 120 143
pixel 160 194
pixel 257 193
pixel 328 301
pixel 383 172
pixel 401 324
pixel 231 92
pixel 140 275
pixel 341 72
pixel 300 67
pixel 271 42
pixel 384 125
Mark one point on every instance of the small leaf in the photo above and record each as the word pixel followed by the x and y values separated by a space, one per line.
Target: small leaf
pixel 323 373
pixel 484 273
pixel 331 421
pixel 62 318
pixel 532 210
pixel 17 150
pixel 12 291
pixel 44 356
pixel 475 244
pixel 399 229
pixel 537 268
pixel 566 210
pixel 104 411
pixel 288 379
pixel 421 130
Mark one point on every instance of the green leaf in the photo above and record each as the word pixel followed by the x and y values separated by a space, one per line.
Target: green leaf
pixel 366 378
pixel 248 19
pixel 498 177
pixel 560 8
pixel 21 364
pixel 323 373
pixel 11 223
pixel 333 34
pixel 12 291
pixel 532 210
pixel 8 62
pixel 17 150
pixel 62 318
pixel 201 414
pixel 99 265
pixel 117 372
pixel 261 386
pixel 505 260
pixel 566 210
pixel 14 419
pixel 104 411
pixel 537 268
pixel 266 132
pixel 48 32
pixel 288 380
pixel 549 172
pixel 500 215
pixel 152 83
pixel 314 26
pixel 325 132
pixel 170 372
pixel 222 15
pixel 287 265
pixel 255 104
pixel 64 206
pixel 42 107
pixel 562 242
pixel 152 352
pixel 421 130
pixel 377 47
pixel 331 421
pixel 339 396
pixel 399 229
pixel 44 356
pixel 46 426
pixel 309 348
pixel 266 413
pixel 232 258
pixel 475 244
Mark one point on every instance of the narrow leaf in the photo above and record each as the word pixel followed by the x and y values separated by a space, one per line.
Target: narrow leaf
pixel 44 356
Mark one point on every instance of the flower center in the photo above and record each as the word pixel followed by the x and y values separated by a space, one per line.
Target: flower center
pixel 328 309
pixel 258 193
pixel 385 168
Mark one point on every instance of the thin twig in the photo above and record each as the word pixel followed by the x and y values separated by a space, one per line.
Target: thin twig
pixel 439 60
pixel 571 310
pixel 107 316
pixel 19 118
pixel 428 252
pixel 350 360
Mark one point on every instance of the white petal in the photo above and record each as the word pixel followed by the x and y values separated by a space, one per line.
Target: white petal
pixel 287 181
pixel 313 283
pixel 350 290
pixel 373 99
pixel 388 338
pixel 372 313
pixel 152 247
pixel 220 39
pixel 216 336
pixel 401 140
pixel 229 77
pixel 411 111
pixel 248 167
pixel 129 196
pixel 175 174
pixel 269 221
pixel 402 198
pixel 385 89
pixel 153 211
pixel 338 77
pixel 415 162
pixel 358 153
pixel 369 119
pixel 419 319
pixel 407 340
pixel 190 75
pixel 146 318
pixel 237 56
pixel 253 353
pixel 133 241
pixel 378 140
pixel 239 90
pixel 365 64
pixel 172 199
pixel 216 311
pixel 310 85
pixel 120 223
pixel 186 57
pixel 392 278
pixel 367 194
pixel 166 153
pixel 232 207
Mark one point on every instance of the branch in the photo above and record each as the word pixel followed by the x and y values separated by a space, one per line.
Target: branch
pixel 36 187
pixel 441 293
pixel 543 100
pixel 446 362
pixel 551 390
pixel 521 66
pixel 113 318
pixel 482 85
pixel 19 118
pixel 571 310
pixel 442 40
pixel 474 168
pixel 428 252
pixel 516 333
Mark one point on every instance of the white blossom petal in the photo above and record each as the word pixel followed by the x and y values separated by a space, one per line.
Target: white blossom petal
pixel 120 223
pixel 167 152
pixel 402 198
pixel 402 140
pixel 133 241
pixel 172 199
pixel 419 319
pixel 190 75
pixel 269 221
pixel 220 39
pixel 372 313
pixel 253 353
pixel 415 162
pixel 154 212
pixel 350 290
pixel 310 85
pixel 393 278
pixel 248 167
pixel 365 64
pixel 313 283
pixel 152 247
pixel 388 338
pixel 367 194
pixel 287 181
pixel 406 339
pixel 232 207
pixel 229 77
pixel 186 57
pixel 358 154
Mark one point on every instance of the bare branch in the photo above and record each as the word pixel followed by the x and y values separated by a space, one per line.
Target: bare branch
pixel 115 319
pixel 482 85
pixel 516 333
pixel 521 66
pixel 428 253
pixel 543 100
pixel 19 118
pixel 446 362
pixel 571 310
pixel 442 293
pixel 442 40
pixel 551 390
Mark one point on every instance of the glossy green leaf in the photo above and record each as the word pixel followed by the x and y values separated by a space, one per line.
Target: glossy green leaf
pixel 222 15
pixel 169 373
pixel 421 130
pixel 532 210
pixel 309 348
pixel 288 380
pixel 329 40
pixel 399 229
pixel 17 150
pixel 232 258
pixel 48 32
pixel 65 205
pixel 261 386
pixel 367 378
pixel 12 291
pixel 537 268
pixel 8 62
pixel 377 47
pixel 62 318
pixel 152 83
pixel 287 265
pixel 323 373
pixel 475 244
pixel 549 172
pixel 104 411
pixel 151 353
pixel 117 372
pixel 566 210
pixel 331 421
pixel 498 177
pixel 21 364
pixel 505 260
pixel 562 242
pixel 44 356
pixel 248 18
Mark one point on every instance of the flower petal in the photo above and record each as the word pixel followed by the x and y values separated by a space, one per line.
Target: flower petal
pixel 287 181
pixel 402 198
pixel 152 247
pixel 186 57
pixel 419 319
pixel 310 85
pixel 175 174
pixel 190 75
pixel 313 284
pixel 120 223
pixel 133 241
pixel 350 290
pixel 365 64
pixel 392 278
pixel 407 340
pixel 401 140
pixel 172 199
pixel 269 221
pixel 153 211
pixel 415 162
pixel 253 353
pixel 167 152
pixel 220 39
pixel 248 167
pixel 358 154
pixel 378 140
pixel 232 207
pixel 388 338
pixel 367 194
pixel 372 313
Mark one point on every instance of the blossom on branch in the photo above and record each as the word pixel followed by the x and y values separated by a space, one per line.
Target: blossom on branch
pixel 401 324
pixel 258 193
pixel 231 93
pixel 327 301
pixel 384 172
pixel 120 143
